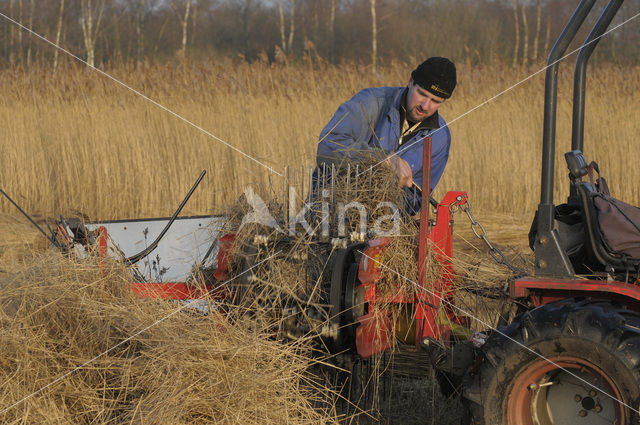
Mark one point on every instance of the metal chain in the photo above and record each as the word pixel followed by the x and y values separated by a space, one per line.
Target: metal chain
pixel 481 233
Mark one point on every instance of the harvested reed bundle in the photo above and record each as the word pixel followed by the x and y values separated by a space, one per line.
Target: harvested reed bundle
pixel 357 197
pixel 129 360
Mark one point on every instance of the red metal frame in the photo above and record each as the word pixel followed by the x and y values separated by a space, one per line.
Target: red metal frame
pixel 224 256
pixel 543 291
pixel 373 334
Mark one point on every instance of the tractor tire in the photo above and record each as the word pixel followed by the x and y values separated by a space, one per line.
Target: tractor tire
pixel 567 362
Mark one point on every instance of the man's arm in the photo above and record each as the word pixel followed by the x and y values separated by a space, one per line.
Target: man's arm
pixel 348 132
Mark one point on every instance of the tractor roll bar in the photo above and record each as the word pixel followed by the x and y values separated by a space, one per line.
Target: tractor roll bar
pixel 545 209
pixel 580 78
pixel 551 259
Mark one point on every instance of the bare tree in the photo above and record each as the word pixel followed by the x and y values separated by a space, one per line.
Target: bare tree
pixel 525 35
pixel 536 39
pixel 374 35
pixel 32 7
pixel 332 33
pixel 194 20
pixel 517 26
pixel 183 16
pixel 58 34
pixel 90 19
pixel 19 49
pixel 139 18
pixel 292 24
pixel 15 42
pixel 547 35
pixel 12 52
pixel 283 39
pixel 287 42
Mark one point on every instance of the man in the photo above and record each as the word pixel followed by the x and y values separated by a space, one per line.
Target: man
pixel 396 120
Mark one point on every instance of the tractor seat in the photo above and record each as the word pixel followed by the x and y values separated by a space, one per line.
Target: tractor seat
pixel 599 256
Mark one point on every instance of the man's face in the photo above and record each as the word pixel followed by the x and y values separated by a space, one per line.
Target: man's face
pixel 421 104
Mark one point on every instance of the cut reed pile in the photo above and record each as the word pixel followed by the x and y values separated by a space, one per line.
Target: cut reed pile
pixel 78 347
pixel 141 361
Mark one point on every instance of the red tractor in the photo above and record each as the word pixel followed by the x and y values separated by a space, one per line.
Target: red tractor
pixel 573 357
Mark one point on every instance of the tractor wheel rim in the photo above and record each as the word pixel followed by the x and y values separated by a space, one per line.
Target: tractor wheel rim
pixel 546 393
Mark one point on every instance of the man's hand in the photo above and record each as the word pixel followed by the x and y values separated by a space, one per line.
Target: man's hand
pixel 402 170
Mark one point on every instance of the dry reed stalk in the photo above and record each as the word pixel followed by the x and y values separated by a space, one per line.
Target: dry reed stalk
pixel 177 368
pixel 19 240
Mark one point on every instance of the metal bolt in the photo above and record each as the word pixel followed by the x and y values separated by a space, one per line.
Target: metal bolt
pixel 542 264
pixel 592 393
pixel 544 240
pixel 577 398
pixel 536 386
pixel 598 408
pixel 582 413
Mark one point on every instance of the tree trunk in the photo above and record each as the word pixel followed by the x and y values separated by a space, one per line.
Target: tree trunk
pixel 19 44
pixel 29 45
pixel 332 35
pixel 283 39
pixel 86 22
pixel 156 46
pixel 58 34
pixel 525 35
pixel 12 40
pixel 291 24
pixel 547 36
pixel 536 39
pixel 194 18
pixel 246 17
pixel 185 26
pixel 374 36
pixel 90 27
pixel 517 27
pixel 139 23
pixel 184 22
pixel 315 20
pixel 117 39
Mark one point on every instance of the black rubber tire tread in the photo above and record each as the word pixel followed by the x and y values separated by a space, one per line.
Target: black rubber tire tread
pixel 604 333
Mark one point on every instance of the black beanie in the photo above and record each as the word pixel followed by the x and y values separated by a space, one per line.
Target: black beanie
pixel 436 75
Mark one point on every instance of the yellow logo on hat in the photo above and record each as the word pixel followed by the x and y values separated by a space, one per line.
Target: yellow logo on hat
pixel 439 90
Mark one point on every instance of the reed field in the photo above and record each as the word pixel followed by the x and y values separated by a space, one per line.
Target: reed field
pixel 77 143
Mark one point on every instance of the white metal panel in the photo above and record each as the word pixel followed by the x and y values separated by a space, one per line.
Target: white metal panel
pixel 179 252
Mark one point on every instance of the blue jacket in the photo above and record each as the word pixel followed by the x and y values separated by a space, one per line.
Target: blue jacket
pixel 351 131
